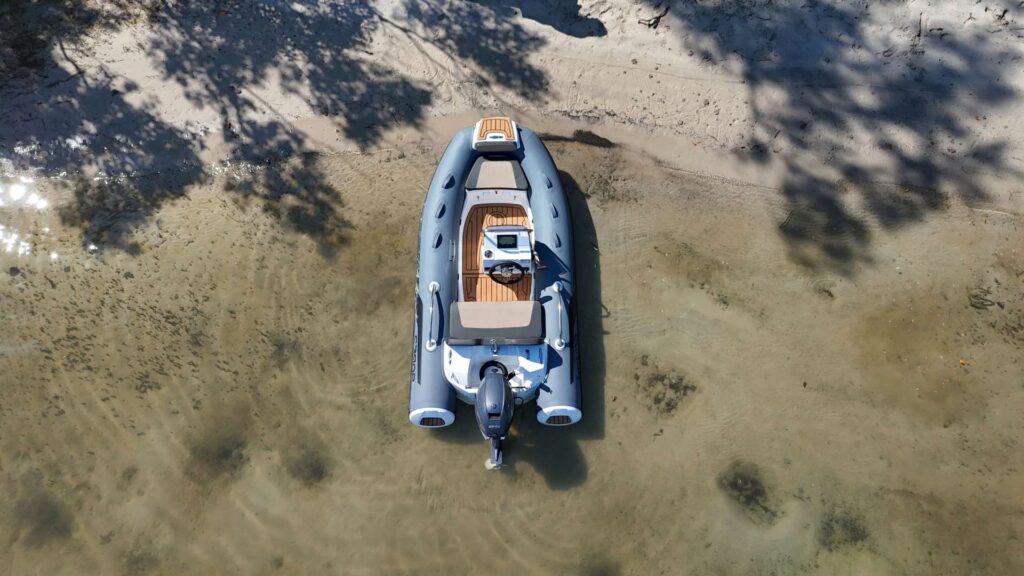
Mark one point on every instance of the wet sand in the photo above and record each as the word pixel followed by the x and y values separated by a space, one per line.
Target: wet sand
pixel 219 384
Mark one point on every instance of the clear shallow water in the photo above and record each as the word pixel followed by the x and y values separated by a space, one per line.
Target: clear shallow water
pixel 212 378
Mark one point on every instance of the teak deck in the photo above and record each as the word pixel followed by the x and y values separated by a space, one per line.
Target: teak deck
pixel 476 284
pixel 495 124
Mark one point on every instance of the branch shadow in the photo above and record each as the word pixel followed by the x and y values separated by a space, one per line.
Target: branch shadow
pixel 66 111
pixel 819 75
pixel 485 36
pixel 221 53
pixel 565 16
pixel 109 211
pixel 298 194
pixel 62 111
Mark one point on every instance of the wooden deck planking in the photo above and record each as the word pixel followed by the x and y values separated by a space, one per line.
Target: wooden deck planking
pixel 480 288
pixel 477 285
pixel 495 124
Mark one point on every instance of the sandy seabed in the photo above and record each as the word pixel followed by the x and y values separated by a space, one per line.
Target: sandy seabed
pixel 786 369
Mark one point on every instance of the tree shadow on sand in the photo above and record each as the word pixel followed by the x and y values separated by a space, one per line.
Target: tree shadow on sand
pixel 63 110
pixel 296 193
pixel 490 39
pixel 566 16
pixel 554 452
pixel 221 52
pixel 819 75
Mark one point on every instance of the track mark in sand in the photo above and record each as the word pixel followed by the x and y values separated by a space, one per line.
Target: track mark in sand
pixel 609 187
pixel 40 519
pixel 592 166
pixel 910 349
pixel 841 528
pixel 661 390
pixel 680 259
pixel 744 483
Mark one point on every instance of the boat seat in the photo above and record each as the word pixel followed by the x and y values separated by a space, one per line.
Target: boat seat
pixel 476 323
pixel 496 174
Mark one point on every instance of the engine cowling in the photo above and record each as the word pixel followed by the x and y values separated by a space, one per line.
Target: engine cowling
pixel 494 407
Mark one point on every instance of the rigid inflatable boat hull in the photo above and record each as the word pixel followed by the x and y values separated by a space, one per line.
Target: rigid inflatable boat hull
pixel 432 399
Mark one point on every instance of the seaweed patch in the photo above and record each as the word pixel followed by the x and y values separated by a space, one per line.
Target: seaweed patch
pixel 841 528
pixel 744 483
pixel 662 390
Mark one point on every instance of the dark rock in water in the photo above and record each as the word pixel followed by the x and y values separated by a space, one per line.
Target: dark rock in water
pixel 14 271
pixel 841 528
pixel 744 484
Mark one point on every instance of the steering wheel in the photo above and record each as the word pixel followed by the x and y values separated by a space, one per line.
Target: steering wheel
pixel 507 272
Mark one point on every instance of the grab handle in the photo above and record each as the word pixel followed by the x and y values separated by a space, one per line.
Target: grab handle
pixel 559 343
pixel 431 343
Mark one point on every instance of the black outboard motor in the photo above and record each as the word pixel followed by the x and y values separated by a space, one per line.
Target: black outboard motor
pixel 494 407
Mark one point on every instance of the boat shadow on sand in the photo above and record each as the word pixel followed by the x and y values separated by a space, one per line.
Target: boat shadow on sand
pixel 553 452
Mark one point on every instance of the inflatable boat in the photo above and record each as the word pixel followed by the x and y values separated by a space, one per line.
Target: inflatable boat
pixel 495 314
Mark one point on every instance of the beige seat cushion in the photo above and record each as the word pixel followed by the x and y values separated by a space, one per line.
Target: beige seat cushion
pixel 504 322
pixel 496 174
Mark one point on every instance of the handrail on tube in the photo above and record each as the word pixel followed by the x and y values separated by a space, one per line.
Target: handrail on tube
pixel 559 343
pixel 431 343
